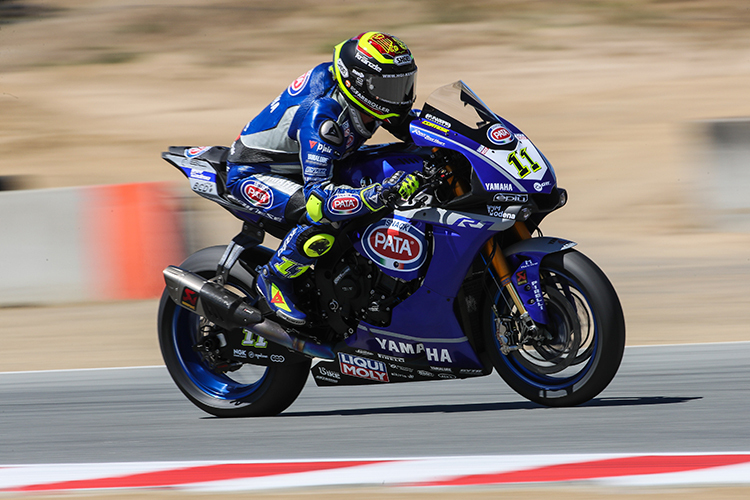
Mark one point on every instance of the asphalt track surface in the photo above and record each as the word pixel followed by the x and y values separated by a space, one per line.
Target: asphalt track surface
pixel 690 398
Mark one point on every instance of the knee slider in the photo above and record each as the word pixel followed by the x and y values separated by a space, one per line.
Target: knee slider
pixel 314 243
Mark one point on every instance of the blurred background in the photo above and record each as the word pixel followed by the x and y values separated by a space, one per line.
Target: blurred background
pixel 639 105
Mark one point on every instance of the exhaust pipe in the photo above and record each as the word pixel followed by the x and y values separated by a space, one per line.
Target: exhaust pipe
pixel 229 310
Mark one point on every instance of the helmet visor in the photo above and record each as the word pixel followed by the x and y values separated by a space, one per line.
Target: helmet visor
pixel 393 89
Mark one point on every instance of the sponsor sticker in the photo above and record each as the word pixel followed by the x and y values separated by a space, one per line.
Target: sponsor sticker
pixel 439 121
pixel 322 148
pixel 346 129
pixel 440 369
pixel 365 368
pixel 342 68
pixel 400 347
pixel 275 103
pixel 521 278
pixel 316 159
pixel 421 133
pixel 189 298
pixel 407 348
pixel 202 175
pixel 441 355
pixel 395 245
pixel 366 61
pixel 497 134
pixel 343 204
pixel 329 373
pixel 510 198
pixel 427 123
pixel 193 152
pixel 299 84
pixel 393 359
pixel 495 211
pixel 316 171
pixel 257 193
pixel 498 186
pixel 402 60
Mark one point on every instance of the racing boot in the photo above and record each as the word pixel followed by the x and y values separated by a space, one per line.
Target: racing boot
pixel 279 294
pixel 301 247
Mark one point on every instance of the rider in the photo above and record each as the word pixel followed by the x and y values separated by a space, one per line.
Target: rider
pixel 323 116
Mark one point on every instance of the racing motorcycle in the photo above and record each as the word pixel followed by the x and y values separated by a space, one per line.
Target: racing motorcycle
pixel 452 283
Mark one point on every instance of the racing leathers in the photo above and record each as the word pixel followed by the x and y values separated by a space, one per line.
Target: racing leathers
pixel 305 130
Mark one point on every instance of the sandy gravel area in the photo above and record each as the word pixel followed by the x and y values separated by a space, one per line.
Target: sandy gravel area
pixel 614 93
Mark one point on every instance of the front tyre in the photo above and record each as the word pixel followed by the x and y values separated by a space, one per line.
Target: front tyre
pixel 584 340
pixel 252 390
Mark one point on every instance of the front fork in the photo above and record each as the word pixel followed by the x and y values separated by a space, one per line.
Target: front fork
pixel 494 254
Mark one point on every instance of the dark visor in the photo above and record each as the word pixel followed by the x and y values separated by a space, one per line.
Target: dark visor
pixel 392 89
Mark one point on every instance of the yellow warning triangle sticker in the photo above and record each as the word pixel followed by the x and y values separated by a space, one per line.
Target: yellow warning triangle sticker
pixel 277 298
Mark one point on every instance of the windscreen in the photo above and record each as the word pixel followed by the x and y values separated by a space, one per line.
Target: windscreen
pixel 459 102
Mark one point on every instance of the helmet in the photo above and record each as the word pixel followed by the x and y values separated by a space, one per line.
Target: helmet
pixel 376 72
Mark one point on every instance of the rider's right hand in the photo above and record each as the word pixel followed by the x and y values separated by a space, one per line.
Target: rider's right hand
pixel 398 185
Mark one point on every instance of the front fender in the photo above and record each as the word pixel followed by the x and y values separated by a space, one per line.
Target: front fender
pixel 525 258
pixel 543 245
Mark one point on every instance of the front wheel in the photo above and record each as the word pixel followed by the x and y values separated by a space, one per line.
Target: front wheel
pixel 252 390
pixel 581 348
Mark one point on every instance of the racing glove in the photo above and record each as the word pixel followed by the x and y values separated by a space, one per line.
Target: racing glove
pixel 398 185
pixel 329 203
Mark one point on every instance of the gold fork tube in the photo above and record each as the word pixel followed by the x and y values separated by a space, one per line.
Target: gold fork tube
pixel 500 265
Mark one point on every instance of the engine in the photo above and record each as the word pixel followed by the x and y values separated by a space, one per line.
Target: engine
pixel 354 289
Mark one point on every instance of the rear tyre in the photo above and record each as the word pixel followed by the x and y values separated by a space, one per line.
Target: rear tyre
pixel 587 331
pixel 252 390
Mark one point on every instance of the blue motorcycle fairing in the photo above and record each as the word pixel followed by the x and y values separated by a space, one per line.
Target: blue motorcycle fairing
pixel 456 240
pixel 520 170
pixel 376 163
pixel 443 343
pixel 525 258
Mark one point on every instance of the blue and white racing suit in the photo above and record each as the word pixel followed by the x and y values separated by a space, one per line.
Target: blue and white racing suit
pixel 305 130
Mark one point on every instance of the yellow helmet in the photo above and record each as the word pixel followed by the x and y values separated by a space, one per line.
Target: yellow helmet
pixel 376 72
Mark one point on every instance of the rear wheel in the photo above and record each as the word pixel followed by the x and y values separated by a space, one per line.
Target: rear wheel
pixel 582 346
pixel 252 390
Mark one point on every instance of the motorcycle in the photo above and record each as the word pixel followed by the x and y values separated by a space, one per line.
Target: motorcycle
pixel 452 283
